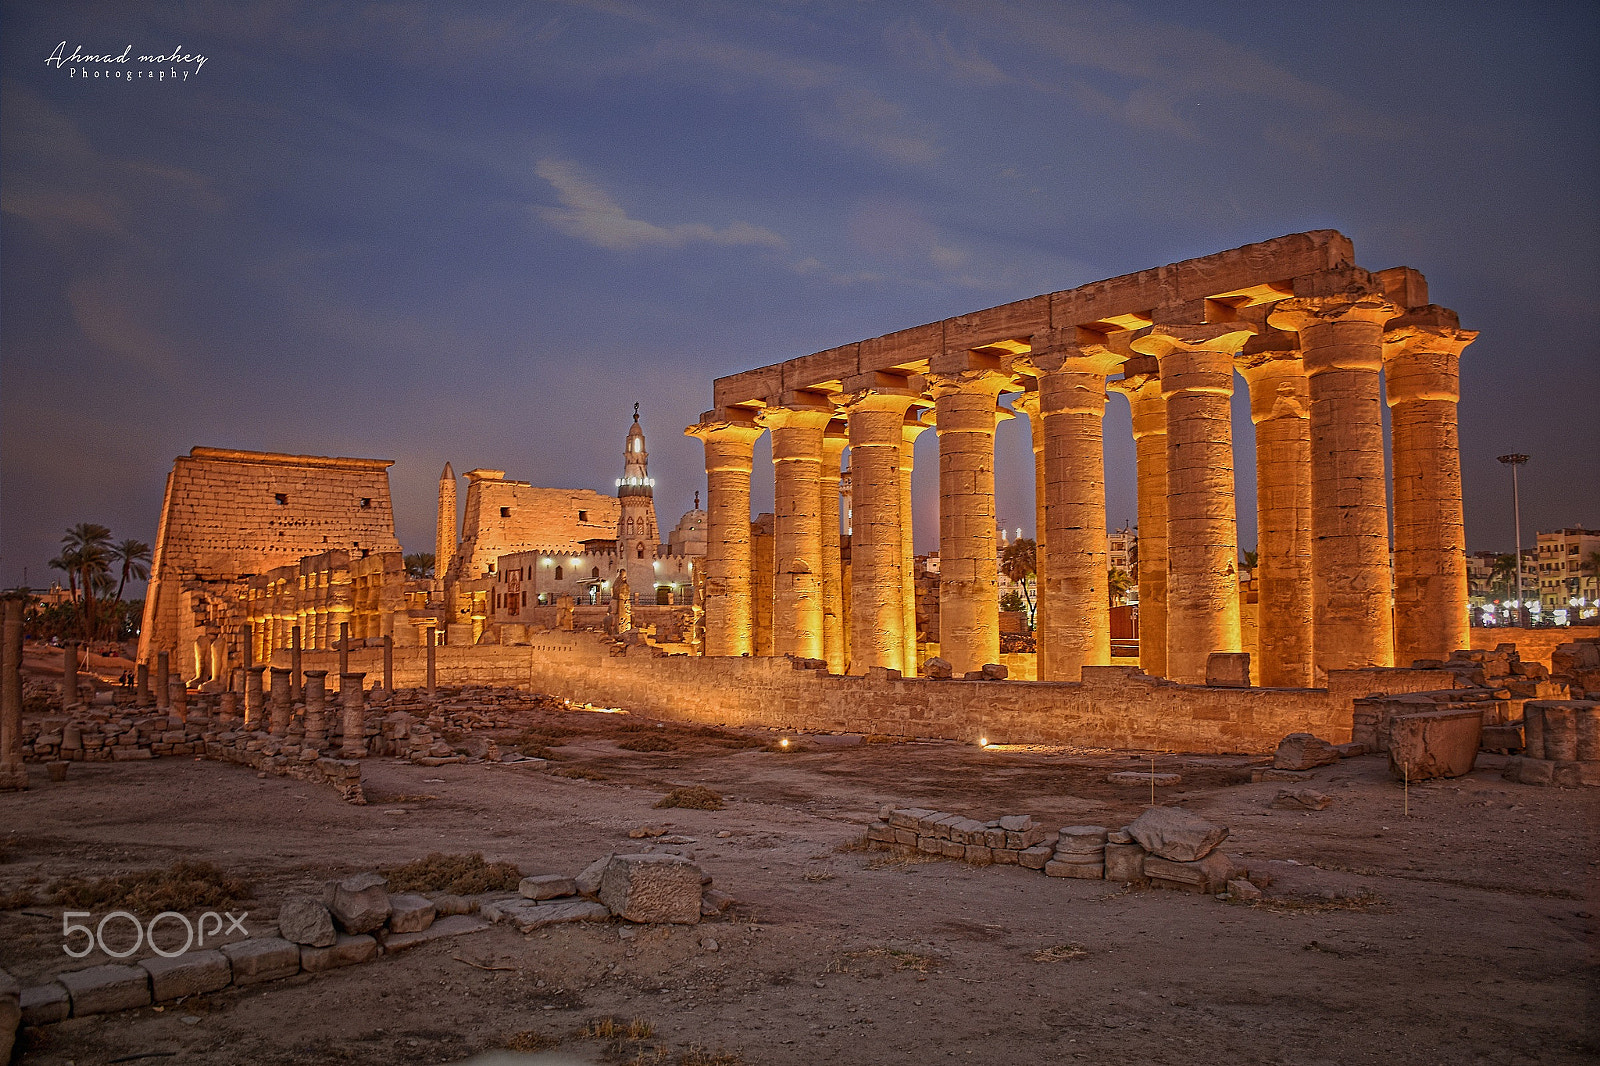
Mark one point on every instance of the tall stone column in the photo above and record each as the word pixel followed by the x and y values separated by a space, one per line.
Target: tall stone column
pixel 141 682
pixel 877 596
pixel 797 445
pixel 202 657
pixel 254 709
pixel 1072 403
pixel 344 647
pixel 13 773
pixel 910 430
pixel 1141 384
pixel 1280 403
pixel 444 536
pixel 163 680
pixel 296 691
pixel 1028 404
pixel 728 445
pixel 966 414
pixel 353 701
pixel 1340 317
pixel 1421 369
pixel 433 654
pixel 279 708
pixel 834 441
pixel 388 665
pixel 69 675
pixel 1202 531
pixel 316 693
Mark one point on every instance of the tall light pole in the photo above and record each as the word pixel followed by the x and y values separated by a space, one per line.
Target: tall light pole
pixel 1514 461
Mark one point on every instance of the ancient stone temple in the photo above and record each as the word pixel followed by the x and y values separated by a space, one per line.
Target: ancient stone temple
pixel 1320 343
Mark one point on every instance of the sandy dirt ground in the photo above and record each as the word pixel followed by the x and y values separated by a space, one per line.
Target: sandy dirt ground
pixel 1462 932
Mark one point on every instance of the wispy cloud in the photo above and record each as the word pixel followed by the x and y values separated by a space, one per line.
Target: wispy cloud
pixel 588 213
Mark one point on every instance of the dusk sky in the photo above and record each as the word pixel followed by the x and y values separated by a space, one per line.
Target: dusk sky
pixel 480 232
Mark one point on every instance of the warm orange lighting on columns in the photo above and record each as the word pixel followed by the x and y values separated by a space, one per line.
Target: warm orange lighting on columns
pixel 729 444
pixel 1421 369
pixel 1141 383
pixel 797 611
pixel 1340 318
pixel 877 599
pixel 834 441
pixel 910 430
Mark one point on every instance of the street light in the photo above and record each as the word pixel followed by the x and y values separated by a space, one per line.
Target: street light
pixel 1514 461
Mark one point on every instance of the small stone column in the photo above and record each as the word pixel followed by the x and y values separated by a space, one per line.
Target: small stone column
pixel 910 430
pixel 279 706
pixel 247 642
pixel 296 685
pixel 877 599
pixel 1028 404
pixel 1072 402
pixel 163 680
pixel 1340 317
pixel 433 653
pixel 728 610
pixel 316 694
pixel 1202 532
pixel 388 664
pixel 228 709
pixel 253 702
pixel 141 681
pixel 834 442
pixel 966 414
pixel 1141 383
pixel 797 431
pixel 13 773
pixel 1280 404
pixel 344 648
pixel 353 701
pixel 178 698
pixel 1421 370
pixel 69 675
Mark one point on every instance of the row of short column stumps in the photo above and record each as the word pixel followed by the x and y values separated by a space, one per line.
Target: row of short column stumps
pixel 1165 847
pixel 357 919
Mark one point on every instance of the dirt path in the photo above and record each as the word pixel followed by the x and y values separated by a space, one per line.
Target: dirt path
pixel 1462 933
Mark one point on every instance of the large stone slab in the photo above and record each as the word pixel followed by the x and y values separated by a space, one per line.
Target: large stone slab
pixel 1434 744
pixel 547 886
pixel 455 925
pixel 305 920
pixel 360 904
pixel 528 915
pixel 1176 835
pixel 652 888
pixel 1303 751
pixel 189 974
pixel 348 950
pixel 588 882
pixel 100 989
pixel 1210 874
pixel 262 958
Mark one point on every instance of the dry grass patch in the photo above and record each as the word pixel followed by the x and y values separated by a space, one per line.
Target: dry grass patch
pixel 579 773
pixel 182 886
pixel 900 855
pixel 648 742
pixel 15 901
pixel 531 1040
pixel 461 875
pixel 1059 953
pixel 699 1056
pixel 693 797
pixel 616 1029
pixel 896 958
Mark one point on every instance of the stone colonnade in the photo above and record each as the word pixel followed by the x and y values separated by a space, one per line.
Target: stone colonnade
pixel 1320 343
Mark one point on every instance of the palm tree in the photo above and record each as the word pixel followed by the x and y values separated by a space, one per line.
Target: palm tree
pixel 90 544
pixel 67 563
pixel 1251 559
pixel 134 557
pixel 1019 562
pixel 1118 582
pixel 419 564
pixel 1504 574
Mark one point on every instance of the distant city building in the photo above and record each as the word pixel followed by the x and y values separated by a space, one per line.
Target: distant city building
pixel 1566 561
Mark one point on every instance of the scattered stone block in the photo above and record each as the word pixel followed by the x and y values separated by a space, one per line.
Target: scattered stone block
pixel 1434 744
pixel 1124 862
pixel 1210 874
pixel 1094 871
pixel 528 915
pixel 305 920
pixel 1143 777
pixel 938 669
pixel 264 958
pixel 1243 891
pixel 1300 799
pixel 1081 840
pixel 101 989
pixel 361 903
pixel 652 888
pixel 1271 774
pixel 410 913
pixel 1036 857
pixel 1502 738
pixel 1016 823
pixel 714 901
pixel 45 1004
pixel 446 905
pixel 1528 771
pixel 994 672
pixel 978 854
pixel 189 974
pixel 1176 835
pixel 1303 751
pixel 1119 836
pixel 546 886
pixel 1351 750
pixel 1228 669
pixel 348 950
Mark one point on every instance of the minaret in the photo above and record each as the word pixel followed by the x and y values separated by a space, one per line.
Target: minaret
pixel 444 538
pixel 636 522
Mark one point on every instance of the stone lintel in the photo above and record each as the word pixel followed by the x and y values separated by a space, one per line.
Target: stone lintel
pixel 1405 286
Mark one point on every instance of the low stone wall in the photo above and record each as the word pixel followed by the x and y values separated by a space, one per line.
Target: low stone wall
pixel 1532 644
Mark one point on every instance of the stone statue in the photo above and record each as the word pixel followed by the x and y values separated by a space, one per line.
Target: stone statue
pixel 621 604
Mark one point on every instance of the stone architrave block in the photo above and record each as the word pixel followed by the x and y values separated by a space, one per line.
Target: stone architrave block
pixel 45 1004
pixel 189 974
pixel 1176 835
pixel 547 886
pixel 1434 744
pixel 305 920
pixel 1124 862
pixel 1303 751
pixel 652 888
pixel 262 958
pixel 410 913
pixel 101 989
pixel 348 950
pixel 1210 874
pixel 361 903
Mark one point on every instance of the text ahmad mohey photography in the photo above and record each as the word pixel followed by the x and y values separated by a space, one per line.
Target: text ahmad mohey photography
pixel 80 64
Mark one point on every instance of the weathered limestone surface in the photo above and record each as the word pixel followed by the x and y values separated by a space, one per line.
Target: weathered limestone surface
pixel 652 888
pixel 1175 835
pixel 728 446
pixel 910 430
pixel 100 989
pixel 1434 744
pixel 347 950
pixel 834 442
pixel 797 446
pixel 410 912
pixel 305 920
pixel 262 958
pixel 877 598
pixel 1303 751
pixel 360 904
pixel 191 974
pixel 1141 383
